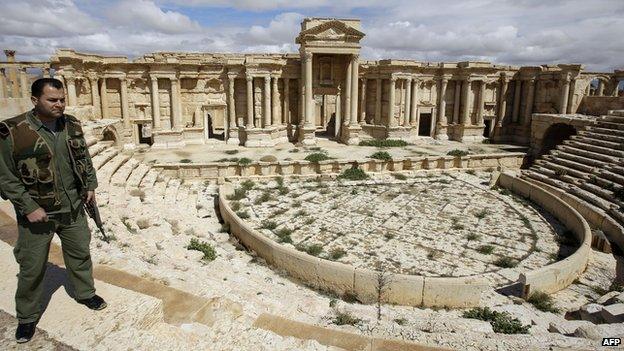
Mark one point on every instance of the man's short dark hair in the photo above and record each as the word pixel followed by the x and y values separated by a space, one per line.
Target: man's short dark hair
pixel 37 86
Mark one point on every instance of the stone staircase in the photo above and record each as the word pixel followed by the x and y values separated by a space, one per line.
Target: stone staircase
pixel 589 166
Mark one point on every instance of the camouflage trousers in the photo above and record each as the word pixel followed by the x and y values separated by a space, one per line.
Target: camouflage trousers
pixel 31 253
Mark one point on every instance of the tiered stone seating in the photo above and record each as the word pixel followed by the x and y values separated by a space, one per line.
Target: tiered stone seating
pixel 589 166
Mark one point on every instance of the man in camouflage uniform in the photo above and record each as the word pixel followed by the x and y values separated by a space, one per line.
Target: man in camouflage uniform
pixel 47 174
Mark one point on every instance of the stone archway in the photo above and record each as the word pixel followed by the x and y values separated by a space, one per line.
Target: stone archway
pixel 555 135
pixel 110 134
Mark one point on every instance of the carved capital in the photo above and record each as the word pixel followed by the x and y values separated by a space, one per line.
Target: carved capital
pixel 307 56
pixel 249 77
pixel 355 57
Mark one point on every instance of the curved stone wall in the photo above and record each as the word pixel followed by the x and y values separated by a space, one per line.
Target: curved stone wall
pixel 560 274
pixel 215 170
pixel 410 289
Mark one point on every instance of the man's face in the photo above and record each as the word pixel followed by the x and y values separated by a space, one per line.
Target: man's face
pixel 51 104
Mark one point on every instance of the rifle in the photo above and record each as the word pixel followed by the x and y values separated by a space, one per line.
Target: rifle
pixel 94 213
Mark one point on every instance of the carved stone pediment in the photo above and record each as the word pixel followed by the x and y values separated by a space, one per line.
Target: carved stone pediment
pixel 330 31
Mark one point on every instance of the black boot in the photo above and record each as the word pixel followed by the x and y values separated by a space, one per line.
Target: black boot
pixel 25 332
pixel 95 303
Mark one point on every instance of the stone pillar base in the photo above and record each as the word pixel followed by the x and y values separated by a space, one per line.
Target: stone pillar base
pixel 168 139
pixel 441 132
pixel 351 134
pixel 233 138
pixel 470 133
pixel 406 133
pixel 262 137
pixel 306 136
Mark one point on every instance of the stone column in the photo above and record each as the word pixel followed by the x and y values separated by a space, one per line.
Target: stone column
pixel 571 100
pixel 24 86
pixel 338 113
pixel 480 102
pixel 286 108
pixel 502 102
pixel 565 90
pixel 363 103
pixel 392 122
pixel 378 103
pixel 442 105
pixel 231 104
pixel 71 91
pixel 3 92
pixel 155 103
pixel 528 109
pixel 95 98
pixel 457 102
pixel 355 71
pixel 267 101
pixel 308 90
pixel 250 102
pixel 413 118
pixel 125 113
pixel 104 98
pixel 408 103
pixel 275 103
pixel 516 101
pixel 465 118
pixel 616 88
pixel 175 104
pixel 347 95
pixel 600 87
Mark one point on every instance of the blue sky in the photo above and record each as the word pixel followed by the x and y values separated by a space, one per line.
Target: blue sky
pixel 518 32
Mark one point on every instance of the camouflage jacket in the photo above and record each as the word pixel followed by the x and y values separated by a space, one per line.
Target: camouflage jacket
pixel 37 172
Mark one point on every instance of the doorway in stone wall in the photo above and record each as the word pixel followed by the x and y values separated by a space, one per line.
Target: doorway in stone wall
pixel 211 131
pixel 487 130
pixel 145 134
pixel 424 124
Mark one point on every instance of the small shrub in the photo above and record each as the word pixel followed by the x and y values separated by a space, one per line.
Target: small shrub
pixel 471 172
pixel 266 196
pixel 268 158
pixel 337 253
pixel 381 155
pixel 316 157
pixel 270 225
pixel 561 172
pixel 235 205
pixel 399 176
pixel 457 226
pixel 482 214
pixel 309 221
pixel 230 152
pixel 278 212
pixel 616 286
pixel 185 160
pixel 505 262
pixel 433 254
pixel 400 321
pixel 542 302
pixel 619 194
pixel 296 204
pixel 457 153
pixel 294 150
pixel 388 236
pixel 225 228
pixel 485 249
pixel 243 161
pixel 353 174
pixel 283 190
pixel 284 235
pixel 384 143
pixel 300 213
pixel 501 322
pixel 313 250
pixel 472 236
pixel 279 181
pixel 209 252
pixel 248 185
pixel 345 318
pixel 354 191
pixel 242 214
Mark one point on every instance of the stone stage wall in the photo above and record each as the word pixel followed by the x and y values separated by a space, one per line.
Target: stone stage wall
pixel 215 170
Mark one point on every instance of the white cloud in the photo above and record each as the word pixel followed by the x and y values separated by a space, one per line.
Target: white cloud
pixel 281 30
pixel 45 19
pixel 144 14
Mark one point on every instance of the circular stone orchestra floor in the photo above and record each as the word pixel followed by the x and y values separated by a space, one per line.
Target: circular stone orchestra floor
pixel 448 224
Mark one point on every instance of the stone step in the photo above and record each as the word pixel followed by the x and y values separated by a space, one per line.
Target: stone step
pixel 546 179
pixel 95 149
pixel 590 197
pixel 594 148
pixel 150 178
pixel 571 164
pixel 600 136
pixel 171 192
pixel 616 178
pixel 107 171
pixel 599 191
pixel 120 177
pixel 597 142
pixel 609 125
pixel 562 171
pixel 103 157
pixel 137 175
pixel 74 324
pixel 587 154
pixel 579 159
pixel 619 113
pixel 616 168
pixel 605 131
pixel 613 119
pixel 598 179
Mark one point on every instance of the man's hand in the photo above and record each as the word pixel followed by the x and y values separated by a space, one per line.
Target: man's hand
pixel 90 197
pixel 38 215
